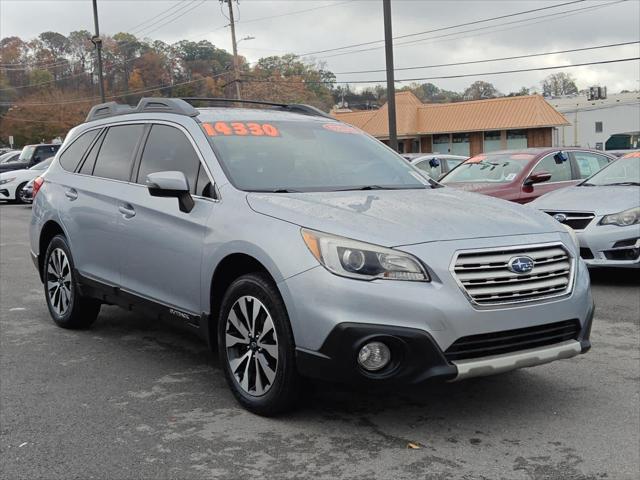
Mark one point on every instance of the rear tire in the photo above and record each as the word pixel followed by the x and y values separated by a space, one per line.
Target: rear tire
pixel 68 308
pixel 256 346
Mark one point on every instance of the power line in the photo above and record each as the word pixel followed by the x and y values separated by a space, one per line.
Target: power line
pixel 156 16
pixel 439 38
pixel 286 14
pixel 486 60
pixel 442 77
pixel 344 47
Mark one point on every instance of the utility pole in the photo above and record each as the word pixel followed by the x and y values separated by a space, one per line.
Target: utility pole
pixel 236 68
pixel 391 89
pixel 97 41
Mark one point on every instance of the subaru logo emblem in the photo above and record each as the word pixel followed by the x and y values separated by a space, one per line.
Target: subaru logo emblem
pixel 520 264
pixel 560 217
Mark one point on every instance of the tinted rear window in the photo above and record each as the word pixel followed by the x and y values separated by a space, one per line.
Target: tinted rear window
pixel 70 158
pixel 116 154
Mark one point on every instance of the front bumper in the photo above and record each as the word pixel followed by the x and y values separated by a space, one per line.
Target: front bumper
pixel 600 245
pixel 416 358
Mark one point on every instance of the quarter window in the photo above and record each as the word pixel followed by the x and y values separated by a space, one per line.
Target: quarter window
pixel 70 158
pixel 589 163
pixel 116 153
pixel 167 148
pixel 560 172
pixel 90 160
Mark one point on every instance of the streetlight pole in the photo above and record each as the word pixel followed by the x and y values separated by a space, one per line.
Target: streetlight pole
pixel 97 41
pixel 236 68
pixel 391 91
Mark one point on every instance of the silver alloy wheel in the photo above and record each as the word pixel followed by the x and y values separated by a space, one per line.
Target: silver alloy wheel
pixel 59 285
pixel 252 345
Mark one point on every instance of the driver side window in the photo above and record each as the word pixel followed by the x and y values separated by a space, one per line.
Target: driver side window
pixel 559 172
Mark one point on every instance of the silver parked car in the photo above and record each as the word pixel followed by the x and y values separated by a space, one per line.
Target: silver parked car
pixel 300 246
pixel 604 210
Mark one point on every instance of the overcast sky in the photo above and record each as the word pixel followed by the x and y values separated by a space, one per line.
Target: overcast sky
pixel 328 24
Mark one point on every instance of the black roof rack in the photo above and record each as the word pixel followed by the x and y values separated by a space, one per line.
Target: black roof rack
pixel 292 107
pixel 150 104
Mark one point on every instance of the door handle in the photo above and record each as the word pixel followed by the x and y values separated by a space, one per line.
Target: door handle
pixel 126 210
pixel 71 193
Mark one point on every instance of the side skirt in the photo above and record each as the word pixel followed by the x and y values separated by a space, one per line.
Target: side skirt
pixel 115 295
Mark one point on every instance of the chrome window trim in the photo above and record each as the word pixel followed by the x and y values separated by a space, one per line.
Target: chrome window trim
pixel 510 304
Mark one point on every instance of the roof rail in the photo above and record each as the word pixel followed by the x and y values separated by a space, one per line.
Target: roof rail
pixel 293 107
pixel 150 104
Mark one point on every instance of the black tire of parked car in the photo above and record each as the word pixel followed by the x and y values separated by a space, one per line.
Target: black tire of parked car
pixel 82 311
pixel 19 198
pixel 284 391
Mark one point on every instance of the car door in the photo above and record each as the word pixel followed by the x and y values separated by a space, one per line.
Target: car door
pixel 561 176
pixel 588 163
pixel 90 208
pixel 162 260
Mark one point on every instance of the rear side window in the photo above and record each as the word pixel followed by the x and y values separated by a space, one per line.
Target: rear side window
pixel 116 154
pixel 589 163
pixel 167 148
pixel 70 158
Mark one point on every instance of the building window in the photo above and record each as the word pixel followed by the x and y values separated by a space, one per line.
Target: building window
pixel 440 143
pixel 415 146
pixel 460 144
pixel 516 139
pixel 491 141
pixel 598 127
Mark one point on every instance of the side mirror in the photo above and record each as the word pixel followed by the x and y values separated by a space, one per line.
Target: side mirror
pixel 539 177
pixel 434 162
pixel 560 157
pixel 171 184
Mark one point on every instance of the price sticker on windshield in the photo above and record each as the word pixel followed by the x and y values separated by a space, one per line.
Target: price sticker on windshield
pixel 477 159
pixel 240 129
pixel 341 128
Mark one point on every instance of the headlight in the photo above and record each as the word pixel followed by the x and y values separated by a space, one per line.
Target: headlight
pixel 622 219
pixel 573 235
pixel 350 258
pixel 7 180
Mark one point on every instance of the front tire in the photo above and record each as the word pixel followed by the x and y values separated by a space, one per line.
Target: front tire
pixel 68 308
pixel 18 194
pixel 256 346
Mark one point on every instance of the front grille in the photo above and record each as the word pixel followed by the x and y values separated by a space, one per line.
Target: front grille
pixel 507 341
pixel 575 220
pixel 486 278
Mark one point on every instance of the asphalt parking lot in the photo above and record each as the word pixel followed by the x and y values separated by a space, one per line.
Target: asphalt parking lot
pixel 133 398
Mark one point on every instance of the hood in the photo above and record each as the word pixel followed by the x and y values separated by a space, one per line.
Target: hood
pixel 600 200
pixel 403 217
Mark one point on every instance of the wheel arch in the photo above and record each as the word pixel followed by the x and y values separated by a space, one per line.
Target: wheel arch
pixel 49 230
pixel 228 269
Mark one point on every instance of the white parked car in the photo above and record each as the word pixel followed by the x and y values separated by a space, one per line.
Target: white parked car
pixel 12 183
pixel 604 211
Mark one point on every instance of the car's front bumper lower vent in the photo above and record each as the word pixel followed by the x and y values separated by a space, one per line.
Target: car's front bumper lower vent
pixel 489 277
pixel 497 343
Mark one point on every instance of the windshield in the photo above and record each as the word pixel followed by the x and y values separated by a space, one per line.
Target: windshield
pixel 491 168
pixel 42 165
pixel 295 156
pixel 26 153
pixel 623 171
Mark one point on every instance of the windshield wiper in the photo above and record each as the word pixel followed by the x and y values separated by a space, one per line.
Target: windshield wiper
pixel 586 184
pixel 622 184
pixel 277 190
pixel 381 187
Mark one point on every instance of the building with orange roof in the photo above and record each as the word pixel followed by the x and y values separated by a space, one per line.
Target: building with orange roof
pixel 462 128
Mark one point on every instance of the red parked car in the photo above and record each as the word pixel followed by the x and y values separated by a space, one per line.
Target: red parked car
pixel 523 175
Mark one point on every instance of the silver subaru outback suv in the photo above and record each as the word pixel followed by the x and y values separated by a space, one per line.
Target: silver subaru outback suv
pixel 299 247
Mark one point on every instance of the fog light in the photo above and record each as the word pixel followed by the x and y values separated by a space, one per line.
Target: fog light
pixel 374 356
